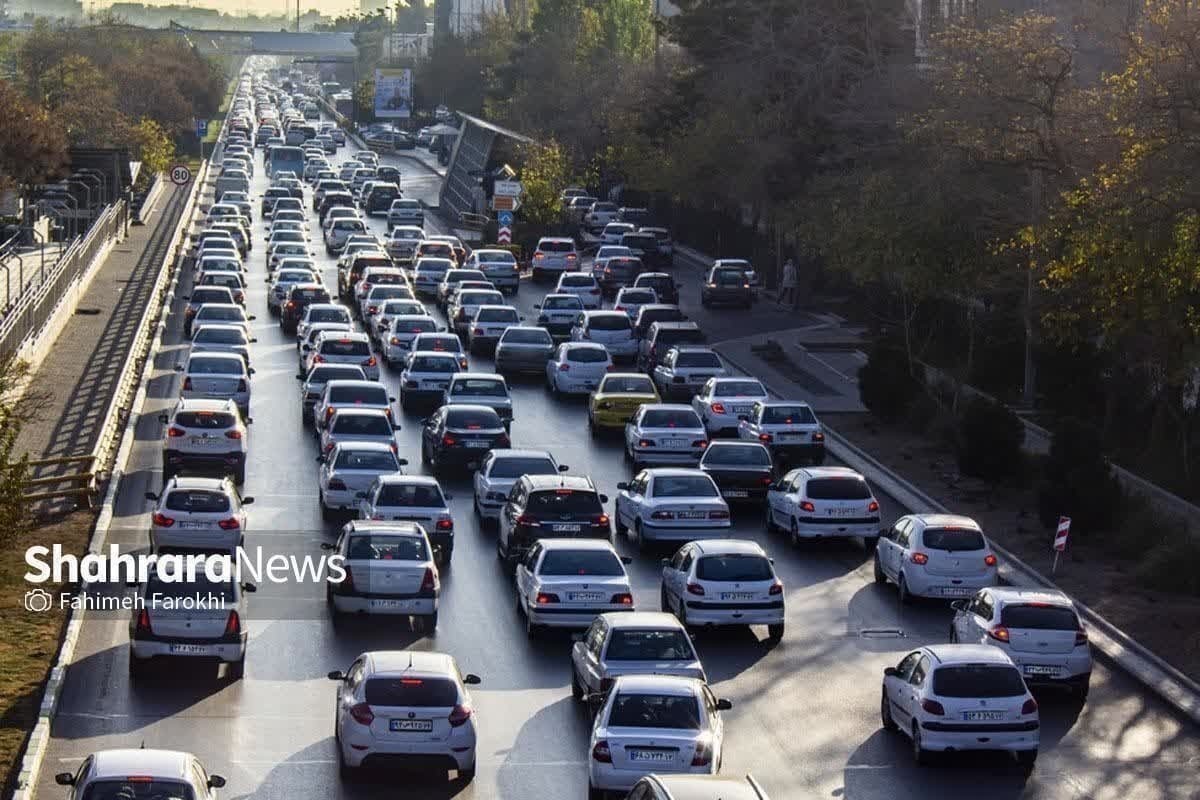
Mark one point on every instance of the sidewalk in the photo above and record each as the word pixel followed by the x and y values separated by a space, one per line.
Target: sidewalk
pixel 77 380
pixel 26 268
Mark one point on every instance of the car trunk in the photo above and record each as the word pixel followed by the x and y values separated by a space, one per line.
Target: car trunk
pixel 653 750
pixel 387 577
pixel 410 709
pixel 582 591
pixel 737 482
pixel 224 385
pixel 1040 629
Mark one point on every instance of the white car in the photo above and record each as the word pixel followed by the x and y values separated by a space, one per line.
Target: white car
pixel 283 250
pixel 635 643
pixel 312 384
pixel 481 389
pixel 397 331
pixel 557 313
pixel 428 273
pixel 554 254
pixel 217 376
pixel 567 583
pixel 823 502
pixel 614 231
pixel 404 211
pixel 377 296
pixel 953 697
pixel 198 515
pixel 1039 629
pixel 134 773
pixel 582 286
pixel 659 724
pixel 609 328
pixel 789 429
pixel 498 473
pixel 222 338
pixel 342 347
pixel 389 571
pixel 337 233
pixel 671 504
pixel 405 703
pixel 630 300
pixel 935 555
pixel 722 402
pixel 466 303
pixel 603 254
pixel 683 370
pixel 448 288
pixel 412 498
pixel 426 375
pixel 321 312
pixel 357 425
pixel 500 267
pixel 489 324
pixel 282 282
pixel 724 582
pixel 664 434
pixel 403 241
pixel 221 314
pixel 314 332
pixel 204 435
pixel 350 469
pixel 577 368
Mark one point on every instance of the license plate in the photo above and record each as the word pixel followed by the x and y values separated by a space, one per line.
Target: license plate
pixel 841 512
pixel 410 725
pixel 698 378
pixel 675 444
pixel 566 528
pixel 437 384
pixel 477 443
pixel 388 604
pixel 692 514
pixel 788 437
pixel 737 595
pixel 955 591
pixel 203 441
pixel 585 597
pixel 1041 669
pixel 193 526
pixel 735 493
pixel 983 716
pixel 189 649
pixel 651 755
pixel 741 409
pixel 590 385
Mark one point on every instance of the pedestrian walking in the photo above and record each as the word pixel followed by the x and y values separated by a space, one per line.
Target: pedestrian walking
pixel 789 287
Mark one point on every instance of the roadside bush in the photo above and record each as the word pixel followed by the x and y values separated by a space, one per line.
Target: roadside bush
pixel 1169 553
pixel 922 412
pixel 989 441
pixel 884 384
pixel 1078 481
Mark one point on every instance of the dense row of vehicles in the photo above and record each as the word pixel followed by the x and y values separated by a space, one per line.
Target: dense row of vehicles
pixel 701 441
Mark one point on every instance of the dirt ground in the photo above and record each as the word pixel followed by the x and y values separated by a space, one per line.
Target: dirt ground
pixel 1163 622
pixel 29 641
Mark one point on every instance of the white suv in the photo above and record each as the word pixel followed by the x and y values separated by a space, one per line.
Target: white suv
pixel 554 255
pixel 724 582
pixel 198 515
pixel 204 435
pixel 935 555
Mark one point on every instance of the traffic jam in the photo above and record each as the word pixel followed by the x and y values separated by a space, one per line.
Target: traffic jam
pixel 413 368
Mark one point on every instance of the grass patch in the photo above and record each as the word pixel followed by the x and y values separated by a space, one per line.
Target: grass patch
pixel 29 641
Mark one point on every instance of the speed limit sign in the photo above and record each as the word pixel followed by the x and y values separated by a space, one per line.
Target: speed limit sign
pixel 180 174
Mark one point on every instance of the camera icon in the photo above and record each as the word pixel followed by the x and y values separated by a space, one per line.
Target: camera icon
pixel 38 600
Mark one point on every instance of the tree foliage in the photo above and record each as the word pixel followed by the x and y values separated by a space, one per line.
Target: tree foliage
pixel 31 149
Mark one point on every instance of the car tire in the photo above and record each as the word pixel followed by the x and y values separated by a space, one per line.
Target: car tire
pixel 326 512
pixel 577 692
pixel 596 794
pixel 593 431
pixel 885 714
pixel 775 633
pixel 880 575
pixel 429 622
pixel 921 756
pixel 138 667
pixel 664 602
pixel 424 451
pixel 1026 759
pixel 953 637
pixel 902 589
pixel 618 525
pixel 239 475
pixel 345 771
pixel 236 669
pixel 638 538
pixel 795 532
pixel 769 519
pixel 467 775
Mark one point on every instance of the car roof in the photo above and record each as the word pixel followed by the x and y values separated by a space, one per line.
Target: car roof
pixel 605 312
pixel 693 348
pixel 196 482
pixel 350 411
pixel 344 334
pixel 729 547
pixel 707 787
pixel 381 526
pixel 202 404
pixel 766 403
pixel 416 480
pixel 409 661
pixel 947 521
pixel 949 654
pixel 520 453
pixel 477 376
pixel 585 346
pixel 379 447
pixel 1013 594
pixel 476 407
pixel 673 472
pixel 675 324
pixel 574 482
pixel 667 407
pixel 641 619
pixel 576 544
pixel 140 761
pixel 212 355
pixel 362 383
pixel 557 239
pixel 830 472
pixel 436 353
pixel 659 684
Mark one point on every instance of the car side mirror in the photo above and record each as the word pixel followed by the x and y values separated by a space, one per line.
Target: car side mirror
pixel 299 376
pixel 179 367
pixel 723 704
pixel 252 317
pixel 890 672
pixel 537 305
pixel 328 546
pixel 391 399
pixel 471 679
pixel 320 459
pixel 623 486
pixel 959 605
pixel 216 782
pixel 395 426
pixel 152 497
pixel 447 496
pixel 247 501
pixel 249 587
pixel 595 701
pixel 251 370
pixel 336 675
pixel 64 779
pixel 603 498
pixel 626 560
pixel 164 418
pixel 360 495
pixel 253 340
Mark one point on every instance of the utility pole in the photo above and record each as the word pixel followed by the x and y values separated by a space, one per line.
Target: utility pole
pixel 1028 390
pixel 297 16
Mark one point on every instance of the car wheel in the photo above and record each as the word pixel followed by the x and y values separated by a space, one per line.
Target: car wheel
pixel 902 587
pixel 467 775
pixel 239 475
pixel 795 532
pixel 885 714
pixel 1027 758
pixel 429 622
pixel 577 692
pixel 638 537
pixel 236 669
pixel 775 633
pixel 953 635
pixel 137 666
pixel 596 794
pixel 664 601
pixel 769 519
pixel 424 453
pixel 326 511
pixel 920 754
pixel 347 772
pixel 475 508
pixel 593 431
pixel 618 525
pixel 880 575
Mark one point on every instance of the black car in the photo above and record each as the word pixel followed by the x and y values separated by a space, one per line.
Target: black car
pixel 742 470
pixel 300 297
pixel 550 506
pixel 388 174
pixel 645 247
pixel 662 284
pixel 619 271
pixel 380 198
pixel 333 200
pixel 461 435
pixel 727 286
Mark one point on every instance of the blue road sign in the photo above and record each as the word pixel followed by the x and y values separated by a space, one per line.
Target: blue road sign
pixel 201 128
pixel 505 218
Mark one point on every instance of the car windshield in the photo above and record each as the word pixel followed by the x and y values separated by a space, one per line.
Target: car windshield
pixel 671 418
pixel 1039 616
pixel 609 322
pixel 560 303
pixel 581 562
pixel 362 425
pixel 649 645
pixel 478 387
pixel 433 364
pixel 516 466
pixel 384 547
pixel 737 455
pixel 788 415
pixel 684 486
pixel 978 680
pixel 412 308
pixel 953 540
pixel 197 501
pixel 701 360
pixel 734 567
pixel 587 355
pixel 564 501
pixel 472 419
pixel 215 366
pixel 416 495
pixel 847 488
pixel 345 347
pixel 412 692
pixel 139 789
pixel 377 460
pixel 221 336
pixel 526 336
pixel 375 395
pixel 335 372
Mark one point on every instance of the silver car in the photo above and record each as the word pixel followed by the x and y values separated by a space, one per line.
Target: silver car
pixel 350 470
pixel 391 571
pixel 631 643
pixel 524 349
pixel 220 376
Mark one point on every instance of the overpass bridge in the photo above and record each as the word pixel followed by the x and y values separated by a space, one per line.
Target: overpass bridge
pixel 271 43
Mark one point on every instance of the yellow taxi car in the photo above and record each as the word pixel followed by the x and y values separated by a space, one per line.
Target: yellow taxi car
pixel 615 400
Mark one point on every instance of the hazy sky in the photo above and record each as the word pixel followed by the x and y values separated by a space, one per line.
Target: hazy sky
pixel 327 7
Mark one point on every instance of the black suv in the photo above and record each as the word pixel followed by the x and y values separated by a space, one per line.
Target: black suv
pixel 550 507
pixel 461 435
pixel 380 198
pixel 300 297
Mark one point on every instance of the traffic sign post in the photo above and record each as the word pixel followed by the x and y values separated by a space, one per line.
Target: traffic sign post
pixel 180 174
pixel 505 218
pixel 504 203
pixel 504 235
pixel 1061 533
pixel 508 188
pixel 201 132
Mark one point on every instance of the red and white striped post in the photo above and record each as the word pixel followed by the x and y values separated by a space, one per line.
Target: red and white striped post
pixel 1060 540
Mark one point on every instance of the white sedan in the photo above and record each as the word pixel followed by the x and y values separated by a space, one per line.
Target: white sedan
pixel 390 570
pixel 351 469
pixel 577 368
pixel 567 583
pixel 671 504
pixel 722 402
pixel 499 472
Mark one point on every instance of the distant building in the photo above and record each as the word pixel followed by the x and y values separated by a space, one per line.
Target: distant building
pixel 370 7
pixel 464 17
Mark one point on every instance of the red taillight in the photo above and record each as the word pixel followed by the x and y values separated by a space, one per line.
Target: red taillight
pixel 718 515
pixel 233 434
pixel 571 256
pixel 1081 637
pixel 806 505
pixel 1030 706
pixel 370 362
pixel 702 755
pixel 230 524
pixel 372 309
pixel 163 521
pixel 329 447
pixel 662 515
pixel 143 621
pixel 233 625
pixel 818 437
pixel 445 524
pixel 618 308
pixel 933 707
pixel 622 599
pixel 765 480
pixel 873 506
pixel 645 443
pixel 601 752
pixel 701 443
pixel 718 408
pixel 187 384
pixel 477 332
pixel 328 413
pixel 291 304
pixel 765 438
pixel 546 597
pixel 362 714
pixel 564 367
pixel 529 521
pixel 459 714
pixel 695 588
pixel 449 441
pixel 776 588
pixel 990 560
pixel 920 558
pixel 174 432
pixel 318 359
pixel 999 633
pixel 429 583
pixel 601 520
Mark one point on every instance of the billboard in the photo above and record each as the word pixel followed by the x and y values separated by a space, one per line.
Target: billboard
pixel 393 93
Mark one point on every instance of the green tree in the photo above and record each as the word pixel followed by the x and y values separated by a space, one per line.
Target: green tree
pixel 544 174
pixel 152 146
pixel 32 149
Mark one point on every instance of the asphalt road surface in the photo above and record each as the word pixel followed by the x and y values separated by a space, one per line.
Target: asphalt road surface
pixel 805 720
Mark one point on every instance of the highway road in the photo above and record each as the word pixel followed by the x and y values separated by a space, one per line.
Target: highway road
pixel 805 720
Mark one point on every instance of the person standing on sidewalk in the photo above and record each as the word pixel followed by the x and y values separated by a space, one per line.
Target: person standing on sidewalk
pixel 789 287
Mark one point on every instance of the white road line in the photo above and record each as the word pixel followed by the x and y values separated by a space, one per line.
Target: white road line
pixel 829 366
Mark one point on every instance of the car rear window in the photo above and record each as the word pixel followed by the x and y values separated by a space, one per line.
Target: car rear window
pixel 639 242
pixel 560 303
pixel 516 467
pixel 432 269
pixel 335 372
pixel 415 495
pixel 497 315
pixel 390 292
pixel 472 419
pixel 478 387
pixel 649 645
pixel 358 394
pixel 609 322
pixel 978 680
pixel 419 325
pixel 444 250
pixel 362 424
pixel 788 415
pixel 1039 616
pixel 413 308
pixel 580 562
pixel 737 456
pixel 578 281
pixel 345 347
pixel 684 486
pixel 385 547
pixel 382 460
pixel 197 501
pixel 698 360
pixel 556 247
pixel 671 418
pixel 670 336
pixel 221 295
pixel 734 567
pixel 208 420
pixel 498 257
pixel 564 501
pixel 221 336
pixel 132 790
pixel 738 389
pixel 678 712
pixel 214 366
pixel 328 315
pixel 631 385
pixel 729 277
pixel 414 692
pixel 433 364
pixel 837 489
pixel 952 539
pixel 587 355
pixel 307 295
pixel 526 336
pixel 638 297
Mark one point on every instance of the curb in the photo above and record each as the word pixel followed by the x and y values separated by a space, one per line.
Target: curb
pixel 1178 690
